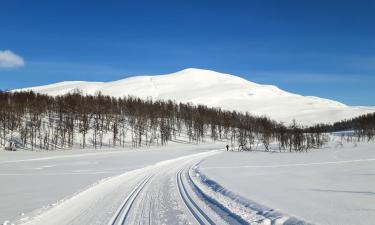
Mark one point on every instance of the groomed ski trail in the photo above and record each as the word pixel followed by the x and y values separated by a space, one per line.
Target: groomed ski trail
pixel 157 194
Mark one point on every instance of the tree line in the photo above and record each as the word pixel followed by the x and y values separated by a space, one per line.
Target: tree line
pixel 362 128
pixel 31 120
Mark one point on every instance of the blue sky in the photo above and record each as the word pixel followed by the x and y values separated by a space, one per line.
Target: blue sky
pixel 321 48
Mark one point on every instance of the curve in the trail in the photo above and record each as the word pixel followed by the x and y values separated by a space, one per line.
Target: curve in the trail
pixel 156 194
pixel 200 216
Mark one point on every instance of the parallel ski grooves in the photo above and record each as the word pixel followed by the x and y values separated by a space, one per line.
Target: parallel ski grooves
pixel 197 213
pixel 122 212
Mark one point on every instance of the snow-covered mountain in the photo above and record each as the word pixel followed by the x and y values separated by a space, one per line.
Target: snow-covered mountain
pixel 217 90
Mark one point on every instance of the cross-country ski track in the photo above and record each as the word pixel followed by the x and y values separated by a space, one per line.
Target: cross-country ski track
pixel 162 193
pixel 189 185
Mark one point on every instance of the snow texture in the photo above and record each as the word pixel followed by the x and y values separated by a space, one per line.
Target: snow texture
pixel 329 186
pixel 155 194
pixel 33 180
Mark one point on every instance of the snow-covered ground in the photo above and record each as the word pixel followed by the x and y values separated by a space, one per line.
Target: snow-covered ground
pixel 189 184
pixel 217 90
pixel 159 193
pixel 331 186
pixel 31 180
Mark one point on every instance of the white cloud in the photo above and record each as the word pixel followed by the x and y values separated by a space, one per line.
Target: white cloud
pixel 10 60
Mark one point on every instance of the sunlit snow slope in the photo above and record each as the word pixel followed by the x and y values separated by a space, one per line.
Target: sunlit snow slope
pixel 218 90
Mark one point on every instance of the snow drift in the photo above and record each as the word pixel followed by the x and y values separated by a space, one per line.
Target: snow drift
pixel 217 90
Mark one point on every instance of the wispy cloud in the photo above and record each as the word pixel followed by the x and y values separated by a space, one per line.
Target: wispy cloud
pixel 8 59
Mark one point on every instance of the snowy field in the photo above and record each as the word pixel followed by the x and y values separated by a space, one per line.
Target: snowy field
pixel 330 186
pixel 31 180
pixel 162 185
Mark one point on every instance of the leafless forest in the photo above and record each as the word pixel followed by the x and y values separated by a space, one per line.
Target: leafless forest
pixel 35 121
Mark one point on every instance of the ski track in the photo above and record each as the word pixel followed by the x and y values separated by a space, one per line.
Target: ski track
pixel 197 213
pixel 163 193
pixel 156 194
pixel 123 211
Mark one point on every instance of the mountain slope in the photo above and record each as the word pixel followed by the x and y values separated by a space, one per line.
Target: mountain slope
pixel 217 90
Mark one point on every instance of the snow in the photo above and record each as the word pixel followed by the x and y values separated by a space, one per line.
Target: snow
pixel 218 90
pixel 329 186
pixel 223 199
pixel 145 195
pixel 31 180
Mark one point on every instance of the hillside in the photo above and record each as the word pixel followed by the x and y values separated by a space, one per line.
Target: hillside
pixel 217 90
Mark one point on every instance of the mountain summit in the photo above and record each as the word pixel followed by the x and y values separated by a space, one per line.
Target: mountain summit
pixel 216 89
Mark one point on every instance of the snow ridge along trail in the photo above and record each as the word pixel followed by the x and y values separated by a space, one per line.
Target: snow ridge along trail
pixel 156 194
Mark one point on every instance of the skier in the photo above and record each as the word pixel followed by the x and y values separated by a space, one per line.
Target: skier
pixel 227 147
